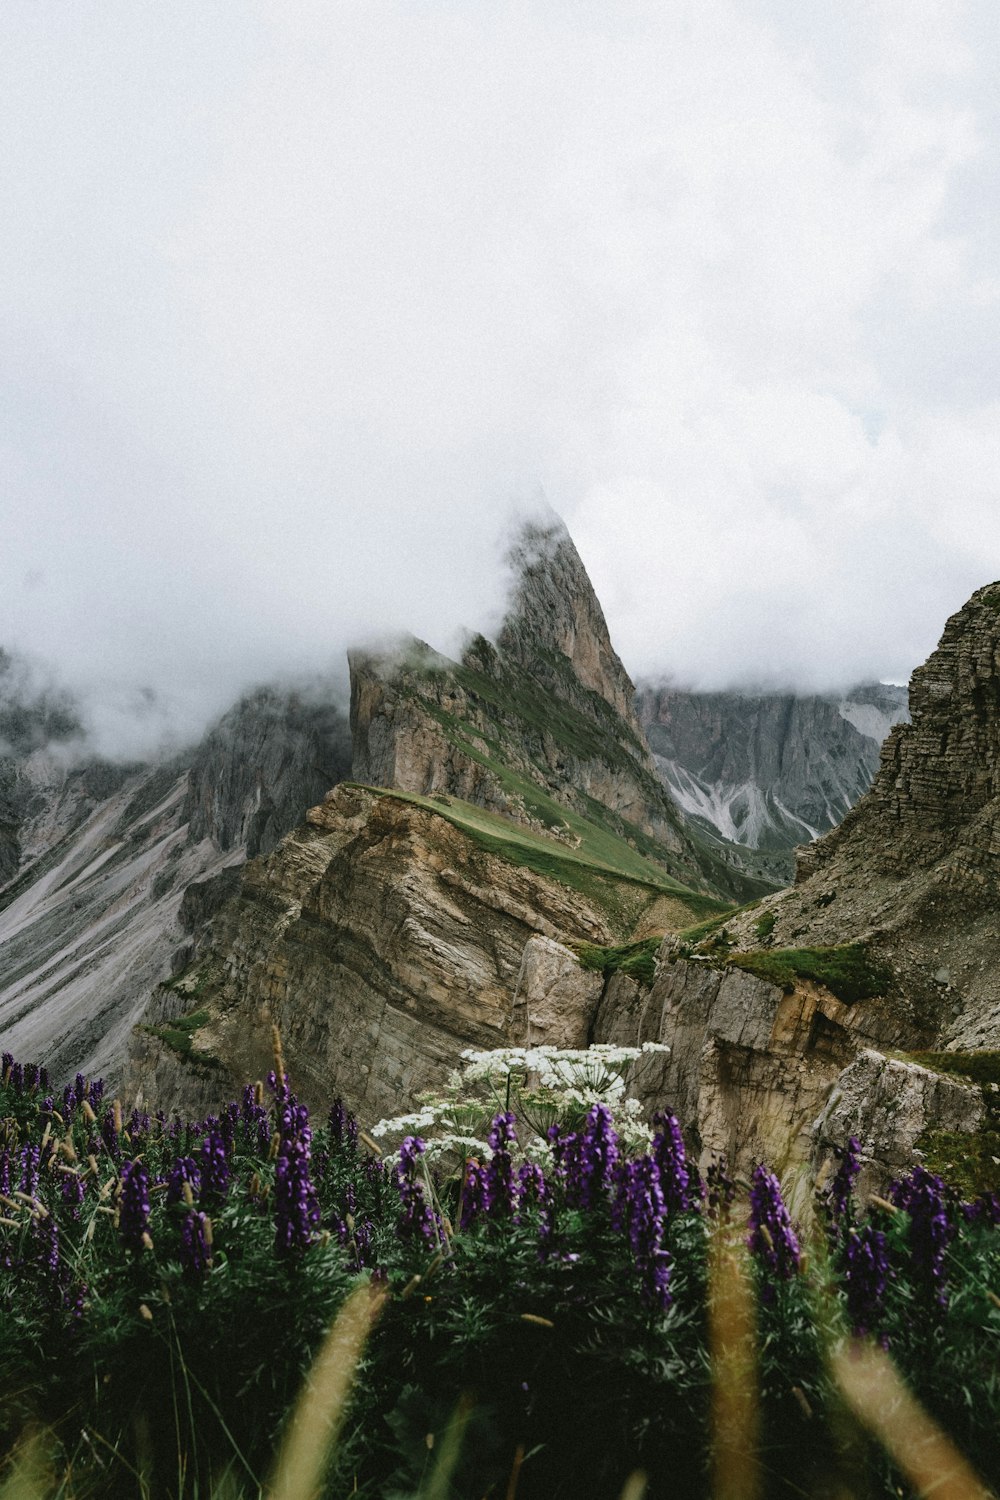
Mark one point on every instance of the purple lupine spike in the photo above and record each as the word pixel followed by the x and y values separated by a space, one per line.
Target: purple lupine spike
pixel 296 1206
pixel 473 1193
pixel 15 1078
pixel 96 1093
pixel 838 1194
pixel 532 1189
pixel 5 1172
pixel 983 1210
pixel 772 1238
pixel 364 1234
pixel 196 1245
pixel 73 1192
pixel 417 1220
pixel 133 1210
pixel 589 1159
pixel 109 1135
pixel 47 1231
pixel 923 1197
pixel 184 1170
pixel 30 1164
pixel 643 1206
pixel 499 1191
pixel 671 1158
pixel 866 1274
pixel 214 1166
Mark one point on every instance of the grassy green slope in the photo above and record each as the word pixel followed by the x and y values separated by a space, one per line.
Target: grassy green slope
pixel 600 861
pixel 517 712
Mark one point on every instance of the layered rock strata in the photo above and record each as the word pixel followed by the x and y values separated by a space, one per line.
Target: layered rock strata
pixel 915 866
pixel 382 940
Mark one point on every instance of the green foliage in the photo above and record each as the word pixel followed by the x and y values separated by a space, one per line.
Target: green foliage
pixel 970 1162
pixel 179 1034
pixel 846 971
pixel 637 960
pixel 765 925
pixel 521 1344
pixel 598 864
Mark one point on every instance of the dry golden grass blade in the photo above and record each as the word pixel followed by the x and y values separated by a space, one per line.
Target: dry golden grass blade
pixel 322 1402
pixel 30 1475
pixel 875 1392
pixel 634 1487
pixel 733 1348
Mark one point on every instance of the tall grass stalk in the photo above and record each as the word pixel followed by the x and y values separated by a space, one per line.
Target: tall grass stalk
pixel 319 1412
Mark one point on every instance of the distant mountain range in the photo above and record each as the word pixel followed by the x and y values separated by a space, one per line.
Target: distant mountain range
pixel 768 771
pixel 110 873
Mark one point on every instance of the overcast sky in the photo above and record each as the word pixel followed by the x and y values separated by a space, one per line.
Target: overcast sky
pixel 303 301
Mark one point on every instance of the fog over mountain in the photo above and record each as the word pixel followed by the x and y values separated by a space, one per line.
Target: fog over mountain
pixel 301 301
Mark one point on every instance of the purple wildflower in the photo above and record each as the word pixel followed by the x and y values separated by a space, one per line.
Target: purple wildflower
pixel 30 1162
pixel 133 1209
pixel 498 1188
pixel 343 1127
pixel 296 1207
pixel 922 1197
pixel 590 1160
pixel 531 1186
pixel 640 1210
pixel 5 1172
pixel 473 1198
pixel 983 1210
pixel 671 1159
pixel 721 1189
pixel 214 1165
pixel 184 1170
pixel 772 1238
pixel 417 1221
pixel 866 1275
pixel 196 1245
pixel 838 1194
pixel 72 1193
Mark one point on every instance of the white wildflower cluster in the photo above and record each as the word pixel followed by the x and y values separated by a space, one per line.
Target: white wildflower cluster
pixel 543 1085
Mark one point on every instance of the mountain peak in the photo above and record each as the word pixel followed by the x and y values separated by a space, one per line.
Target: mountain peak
pixel 554 616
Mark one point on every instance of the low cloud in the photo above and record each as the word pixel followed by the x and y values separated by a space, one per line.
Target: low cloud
pixel 304 302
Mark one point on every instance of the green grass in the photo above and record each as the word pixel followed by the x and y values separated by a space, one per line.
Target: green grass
pixel 846 971
pixel 637 960
pixel 970 1163
pixel 600 856
pixel 765 925
pixel 179 1035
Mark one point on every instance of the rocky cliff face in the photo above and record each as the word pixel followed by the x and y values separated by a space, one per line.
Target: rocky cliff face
pixel 540 726
pixel 756 1074
pixel 383 936
pixel 914 865
pixel 269 758
pixel 94 913
pixel 768 771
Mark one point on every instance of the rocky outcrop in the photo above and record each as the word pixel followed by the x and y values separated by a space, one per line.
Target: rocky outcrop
pixel 269 758
pixel 889 1104
pixel 382 939
pixel 554 622
pixel 114 868
pixel 756 1074
pixel 915 866
pixel 537 726
pixel 768 770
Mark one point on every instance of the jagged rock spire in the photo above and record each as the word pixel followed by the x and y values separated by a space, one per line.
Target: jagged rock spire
pixel 554 612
